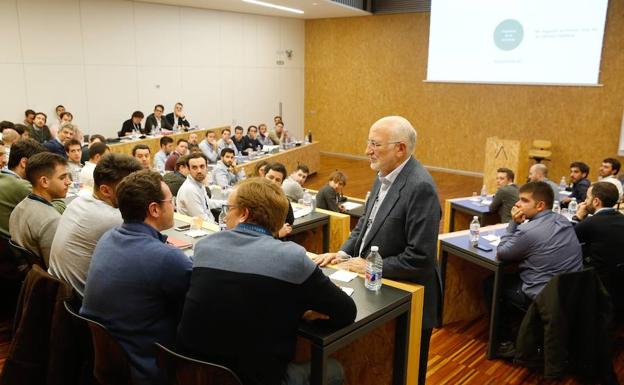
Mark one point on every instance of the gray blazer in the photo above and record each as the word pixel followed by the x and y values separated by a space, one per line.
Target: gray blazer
pixel 406 230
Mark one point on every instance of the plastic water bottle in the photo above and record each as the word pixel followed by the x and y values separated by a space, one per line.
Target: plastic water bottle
pixel 483 194
pixel 75 175
pixel 562 184
pixel 556 207
pixel 222 224
pixel 374 269
pixel 475 227
pixel 307 199
pixel 572 206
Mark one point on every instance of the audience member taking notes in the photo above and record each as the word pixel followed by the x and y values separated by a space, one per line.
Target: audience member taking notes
pixel 87 218
pixel 329 196
pixel 245 272
pixel 137 282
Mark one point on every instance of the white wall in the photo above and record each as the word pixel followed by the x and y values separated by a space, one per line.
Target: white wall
pixel 103 59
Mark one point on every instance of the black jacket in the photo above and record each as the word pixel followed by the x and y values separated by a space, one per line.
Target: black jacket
pixel 150 123
pixel 569 328
pixel 182 121
pixel 603 243
pixel 128 126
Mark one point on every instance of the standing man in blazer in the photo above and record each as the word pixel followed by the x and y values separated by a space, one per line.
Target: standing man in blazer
pixel 156 119
pixel 177 119
pixel 402 217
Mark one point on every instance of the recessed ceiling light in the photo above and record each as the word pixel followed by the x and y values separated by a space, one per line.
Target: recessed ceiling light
pixel 269 5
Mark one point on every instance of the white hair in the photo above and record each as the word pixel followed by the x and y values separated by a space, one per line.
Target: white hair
pixel 401 130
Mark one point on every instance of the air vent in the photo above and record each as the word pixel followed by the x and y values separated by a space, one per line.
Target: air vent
pixel 401 6
pixel 359 4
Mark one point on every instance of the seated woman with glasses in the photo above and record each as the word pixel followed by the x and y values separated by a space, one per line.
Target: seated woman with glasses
pixel 249 291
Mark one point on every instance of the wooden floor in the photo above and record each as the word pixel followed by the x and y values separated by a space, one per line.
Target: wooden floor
pixel 457 353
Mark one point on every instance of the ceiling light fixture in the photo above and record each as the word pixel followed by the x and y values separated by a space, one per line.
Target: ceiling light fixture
pixel 269 5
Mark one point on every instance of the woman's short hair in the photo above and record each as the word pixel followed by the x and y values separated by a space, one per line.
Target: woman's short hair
pixel 266 202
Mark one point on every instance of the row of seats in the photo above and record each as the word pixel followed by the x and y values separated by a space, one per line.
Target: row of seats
pixel 51 341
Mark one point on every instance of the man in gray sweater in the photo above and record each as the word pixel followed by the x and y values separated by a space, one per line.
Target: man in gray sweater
pixel 34 220
pixel 506 195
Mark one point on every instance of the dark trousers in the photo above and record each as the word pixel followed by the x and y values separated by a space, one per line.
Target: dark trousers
pixel 425 337
pixel 513 303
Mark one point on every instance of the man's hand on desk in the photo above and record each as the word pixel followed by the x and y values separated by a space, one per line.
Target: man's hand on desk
pixel 311 315
pixel 325 259
pixel 356 265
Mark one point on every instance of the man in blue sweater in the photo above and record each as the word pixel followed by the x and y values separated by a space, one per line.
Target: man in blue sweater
pixel 249 292
pixel 136 282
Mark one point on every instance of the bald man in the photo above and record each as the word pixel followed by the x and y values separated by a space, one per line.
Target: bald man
pixel 402 217
pixel 539 173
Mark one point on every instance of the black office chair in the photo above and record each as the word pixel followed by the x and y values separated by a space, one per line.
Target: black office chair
pixel 181 370
pixel 111 362
pixel 25 258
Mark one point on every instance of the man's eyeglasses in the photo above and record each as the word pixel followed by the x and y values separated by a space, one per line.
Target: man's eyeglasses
pixel 171 200
pixel 227 208
pixel 374 144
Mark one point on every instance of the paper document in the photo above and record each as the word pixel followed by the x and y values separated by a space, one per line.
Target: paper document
pixel 490 237
pixel 343 275
pixel 347 290
pixel 301 211
pixel 196 233
pixel 351 205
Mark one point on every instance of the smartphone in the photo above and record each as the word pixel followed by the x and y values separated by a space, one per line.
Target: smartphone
pixel 483 247
pixel 182 228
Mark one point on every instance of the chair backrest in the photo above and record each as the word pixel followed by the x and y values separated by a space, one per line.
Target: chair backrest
pixel 22 254
pixel 111 363
pixel 181 370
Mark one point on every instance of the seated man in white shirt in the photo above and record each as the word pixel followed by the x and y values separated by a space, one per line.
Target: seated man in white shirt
pixel 96 151
pixel 192 199
pixel 166 147
pixel 86 219
pixel 293 185
pixel 608 173
pixel 225 173
pixel 226 141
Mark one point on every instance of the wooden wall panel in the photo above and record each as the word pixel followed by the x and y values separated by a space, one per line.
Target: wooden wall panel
pixel 360 69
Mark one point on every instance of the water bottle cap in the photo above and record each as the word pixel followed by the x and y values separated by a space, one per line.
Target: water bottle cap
pixel 475 217
pixel 374 248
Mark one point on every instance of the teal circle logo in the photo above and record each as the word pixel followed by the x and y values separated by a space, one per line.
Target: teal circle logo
pixel 508 34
